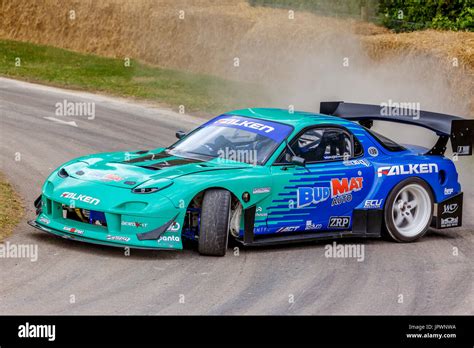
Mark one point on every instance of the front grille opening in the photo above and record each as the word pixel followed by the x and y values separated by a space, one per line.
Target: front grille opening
pixel 92 217
pixel 48 206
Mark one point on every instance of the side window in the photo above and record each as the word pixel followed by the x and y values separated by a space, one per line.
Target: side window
pixel 358 149
pixel 322 144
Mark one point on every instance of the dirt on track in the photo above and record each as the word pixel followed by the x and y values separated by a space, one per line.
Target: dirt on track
pixel 300 60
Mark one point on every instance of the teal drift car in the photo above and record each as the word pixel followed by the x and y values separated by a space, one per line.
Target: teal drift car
pixel 263 176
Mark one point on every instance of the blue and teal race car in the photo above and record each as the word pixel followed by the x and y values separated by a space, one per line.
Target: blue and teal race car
pixel 264 176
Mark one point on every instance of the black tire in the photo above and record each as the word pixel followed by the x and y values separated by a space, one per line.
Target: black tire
pixel 391 229
pixel 214 227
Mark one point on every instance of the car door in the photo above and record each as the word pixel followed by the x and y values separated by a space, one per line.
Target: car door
pixel 321 194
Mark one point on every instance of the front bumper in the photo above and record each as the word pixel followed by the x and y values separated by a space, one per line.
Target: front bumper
pixel 87 239
pixel 149 230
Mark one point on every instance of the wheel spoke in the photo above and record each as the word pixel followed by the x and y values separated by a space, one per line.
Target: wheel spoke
pixel 409 217
pixel 399 219
pixel 404 196
pixel 397 209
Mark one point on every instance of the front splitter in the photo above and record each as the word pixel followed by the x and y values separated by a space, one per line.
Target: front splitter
pixel 83 239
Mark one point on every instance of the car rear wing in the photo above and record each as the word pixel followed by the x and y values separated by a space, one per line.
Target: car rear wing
pixel 458 129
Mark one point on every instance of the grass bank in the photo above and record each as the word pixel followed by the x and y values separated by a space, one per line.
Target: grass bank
pixel 198 93
pixel 11 208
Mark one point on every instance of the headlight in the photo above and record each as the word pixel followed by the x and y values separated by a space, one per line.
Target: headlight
pixel 62 173
pixel 145 190
pixel 151 186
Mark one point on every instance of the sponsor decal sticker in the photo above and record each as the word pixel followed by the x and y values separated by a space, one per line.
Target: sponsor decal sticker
pixel 134 224
pixel 342 199
pixel 80 197
pixel 450 208
pixel 449 212
pixel 118 238
pixel 448 191
pixel 450 222
pixel 463 150
pixel 73 230
pixel 407 169
pixel 332 157
pixel 344 186
pixel 112 177
pixel 288 229
pixel 259 212
pixel 104 177
pixel 273 130
pixel 259 229
pixel 339 222
pixel 311 195
pixel 168 239
pixel 311 226
pixel 341 189
pixel 373 203
pixel 259 190
pixel 175 226
pixel 44 220
pixel 373 151
pixel 357 162
pixel 245 124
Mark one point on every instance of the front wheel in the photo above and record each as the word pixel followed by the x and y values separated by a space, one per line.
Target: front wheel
pixel 214 226
pixel 408 210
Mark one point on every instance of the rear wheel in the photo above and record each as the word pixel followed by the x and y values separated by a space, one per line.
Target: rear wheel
pixel 408 210
pixel 214 226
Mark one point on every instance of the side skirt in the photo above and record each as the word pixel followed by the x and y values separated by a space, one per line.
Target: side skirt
pixel 365 224
pixel 300 238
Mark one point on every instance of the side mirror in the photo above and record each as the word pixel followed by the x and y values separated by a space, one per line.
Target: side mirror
pixel 180 134
pixel 299 161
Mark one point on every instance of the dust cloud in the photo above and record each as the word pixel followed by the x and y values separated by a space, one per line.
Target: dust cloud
pixel 298 60
pixel 333 64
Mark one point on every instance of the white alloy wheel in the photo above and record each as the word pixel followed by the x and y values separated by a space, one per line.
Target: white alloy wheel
pixel 408 210
pixel 411 210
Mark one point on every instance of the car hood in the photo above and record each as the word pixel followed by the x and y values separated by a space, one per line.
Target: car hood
pixel 128 170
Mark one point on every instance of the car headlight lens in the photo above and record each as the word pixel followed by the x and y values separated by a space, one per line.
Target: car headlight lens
pixel 63 173
pixel 152 186
pixel 145 190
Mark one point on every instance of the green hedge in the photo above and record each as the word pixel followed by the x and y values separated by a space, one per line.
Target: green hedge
pixel 403 15
pixel 400 15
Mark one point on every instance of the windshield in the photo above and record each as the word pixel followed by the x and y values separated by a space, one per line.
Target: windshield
pixel 233 138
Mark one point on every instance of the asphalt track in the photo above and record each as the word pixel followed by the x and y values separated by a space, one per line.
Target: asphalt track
pixel 77 278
